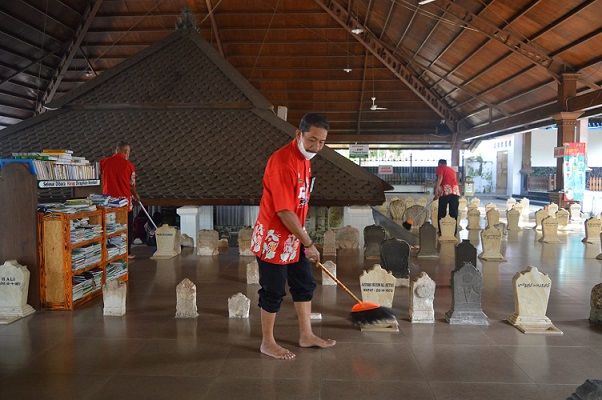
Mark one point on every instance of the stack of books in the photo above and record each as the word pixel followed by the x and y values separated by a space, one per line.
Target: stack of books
pixel 116 269
pixel 116 246
pixel 86 283
pixel 107 201
pixel 60 164
pixel 83 257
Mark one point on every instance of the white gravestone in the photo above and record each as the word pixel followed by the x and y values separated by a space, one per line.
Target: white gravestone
pixel 549 227
pixel 595 314
pixel 435 215
pixel 476 201
pixel 492 245
pixel 531 294
pixel 493 217
pixel 244 242
pixel 474 219
pixel 500 226
pixel 510 203
pixel 207 242
pixel 113 295
pixel 168 242
pixel 512 217
pixel 422 296
pixel 575 210
pixel 552 209
pixel 253 273
pixel 239 306
pixel 348 238
pixel 14 286
pixel 186 299
pixel 525 203
pixel 592 230
pixel 490 206
pixel 422 201
pixel 332 268
pixel 563 218
pixel 378 286
pixel 519 207
pixel 448 227
pixel 397 208
pixel 462 208
pixel 330 244
pixel 539 216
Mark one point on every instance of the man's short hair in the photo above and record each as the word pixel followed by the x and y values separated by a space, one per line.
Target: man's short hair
pixel 442 161
pixel 122 144
pixel 313 119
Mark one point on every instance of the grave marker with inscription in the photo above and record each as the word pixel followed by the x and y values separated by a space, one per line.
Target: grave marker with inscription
pixel 592 230
pixel 332 268
pixel 14 286
pixel 492 245
pixel 549 227
pixel 512 217
pixel 474 219
pixel 168 242
pixel 378 286
pixel 207 242
pixel 113 295
pixel 330 244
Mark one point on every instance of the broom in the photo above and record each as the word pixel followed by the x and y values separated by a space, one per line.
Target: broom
pixel 363 313
pixel 407 224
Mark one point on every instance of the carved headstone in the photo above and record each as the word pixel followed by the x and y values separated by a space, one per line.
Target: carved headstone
pixel 348 237
pixel 467 286
pixel 330 244
pixel 525 203
pixel 462 208
pixel 428 241
pixel 186 241
pixel 474 219
pixel 335 217
pixel 591 389
pixel 113 295
pixel 592 230
pixel 239 306
pixel 519 207
pixel 563 218
pixel 397 208
pixel 14 286
pixel 493 217
pixel 510 203
pixel 539 216
pixel 168 242
pixel 422 201
pixel 531 294
pixel 465 253
pixel 378 286
pixel 244 241
pixel 409 201
pixel 222 243
pixel 207 242
pixel 552 209
pixel 395 257
pixel 422 296
pixel 512 217
pixel 490 206
pixel 549 228
pixel 575 210
pixel 186 299
pixel 332 268
pixel 492 245
pixel 448 229
pixel 435 215
pixel 500 226
pixel 253 273
pixel 373 237
pixel 476 201
pixel 595 314
pixel 417 214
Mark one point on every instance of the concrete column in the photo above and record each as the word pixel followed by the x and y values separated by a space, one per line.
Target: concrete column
pixel 189 223
pixel 205 217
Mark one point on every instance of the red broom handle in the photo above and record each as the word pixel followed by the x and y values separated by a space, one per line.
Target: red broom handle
pixel 323 268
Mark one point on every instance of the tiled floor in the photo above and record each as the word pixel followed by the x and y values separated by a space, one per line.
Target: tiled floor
pixel 148 354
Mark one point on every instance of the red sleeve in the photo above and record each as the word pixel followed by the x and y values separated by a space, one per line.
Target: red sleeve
pixel 282 185
pixel 439 170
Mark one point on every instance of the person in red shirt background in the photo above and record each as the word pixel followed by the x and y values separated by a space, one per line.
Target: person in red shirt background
pixel 283 248
pixel 447 191
pixel 119 180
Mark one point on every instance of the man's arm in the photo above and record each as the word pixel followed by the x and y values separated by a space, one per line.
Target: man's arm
pixel 439 180
pixel 291 221
pixel 135 194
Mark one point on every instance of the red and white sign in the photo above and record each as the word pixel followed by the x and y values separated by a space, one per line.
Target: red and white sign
pixel 385 169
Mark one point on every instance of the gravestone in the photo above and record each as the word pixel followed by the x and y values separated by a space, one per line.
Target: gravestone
pixel 552 209
pixel 512 217
pixel 395 257
pixel 510 203
pixel 186 299
pixel 14 287
pixel 493 217
pixel 422 201
pixel 500 226
pixel 409 201
pixel 519 207
pixel 373 237
pixel 168 242
pixel 422 296
pixel 591 389
pixel 186 241
pixel 492 245
pixel 223 243
pixel 330 244
pixel 448 228
pixel 575 210
pixel 332 268
pixel 563 218
pixel 490 206
pixel 417 214
pixel 378 286
pixel 525 203
pixel 549 228
pixel 472 206
pixel 539 216
pixel 474 219
pixel 435 215
pixel 113 296
pixel 595 314
pixel 253 273
pixel 592 230
pixel 348 237
pixel 336 215
pixel 428 241
pixel 397 208
pixel 239 306
pixel 465 253
pixel 531 294
pixel 476 201
pixel 207 242
pixel 467 286
pixel 462 208
pixel 244 242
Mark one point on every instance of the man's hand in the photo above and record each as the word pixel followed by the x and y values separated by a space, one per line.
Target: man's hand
pixel 312 254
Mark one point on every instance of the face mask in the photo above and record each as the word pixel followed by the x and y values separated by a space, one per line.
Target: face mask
pixel 307 154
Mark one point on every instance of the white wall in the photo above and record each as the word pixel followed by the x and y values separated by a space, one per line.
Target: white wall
pixel 543 142
pixel 594 148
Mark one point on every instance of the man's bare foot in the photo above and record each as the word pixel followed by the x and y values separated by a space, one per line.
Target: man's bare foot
pixel 276 351
pixel 315 341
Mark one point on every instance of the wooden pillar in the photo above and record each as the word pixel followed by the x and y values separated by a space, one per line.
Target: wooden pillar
pixel 526 168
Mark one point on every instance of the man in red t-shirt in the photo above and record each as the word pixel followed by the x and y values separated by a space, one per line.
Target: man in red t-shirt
pixel 447 191
pixel 284 250
pixel 119 180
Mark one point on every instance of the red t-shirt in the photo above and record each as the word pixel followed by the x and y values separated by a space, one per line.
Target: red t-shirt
pixel 117 176
pixel 286 186
pixel 449 184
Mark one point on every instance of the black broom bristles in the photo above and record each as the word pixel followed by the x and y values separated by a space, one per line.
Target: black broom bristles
pixel 374 316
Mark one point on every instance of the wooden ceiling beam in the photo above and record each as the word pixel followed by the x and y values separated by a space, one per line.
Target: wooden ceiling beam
pixel 30 26
pixel 214 27
pixel 391 8
pixel 45 15
pixel 585 102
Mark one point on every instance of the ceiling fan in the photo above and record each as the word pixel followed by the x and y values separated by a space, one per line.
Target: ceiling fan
pixel 374 107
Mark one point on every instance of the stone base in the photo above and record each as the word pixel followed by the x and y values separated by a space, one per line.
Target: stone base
pixel 164 255
pixel 491 257
pixel 466 318
pixel 534 325
pixel 539 330
pixel 207 251
pixel 186 314
pixel 425 254
pixel 405 282
pixel 422 317
pixel 10 315
pixel 550 240
pixel 512 228
pixel 389 326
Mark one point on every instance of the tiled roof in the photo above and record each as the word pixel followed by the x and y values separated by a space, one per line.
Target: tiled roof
pixel 200 133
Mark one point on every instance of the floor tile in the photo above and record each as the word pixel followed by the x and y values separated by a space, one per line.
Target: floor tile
pixel 264 389
pixel 369 390
pixel 50 386
pixel 154 388
pixel 558 392
pixel 489 391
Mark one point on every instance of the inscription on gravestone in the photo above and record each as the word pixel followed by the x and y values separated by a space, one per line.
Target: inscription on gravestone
pixel 549 227
pixel 378 286
pixel 492 245
pixel 14 286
